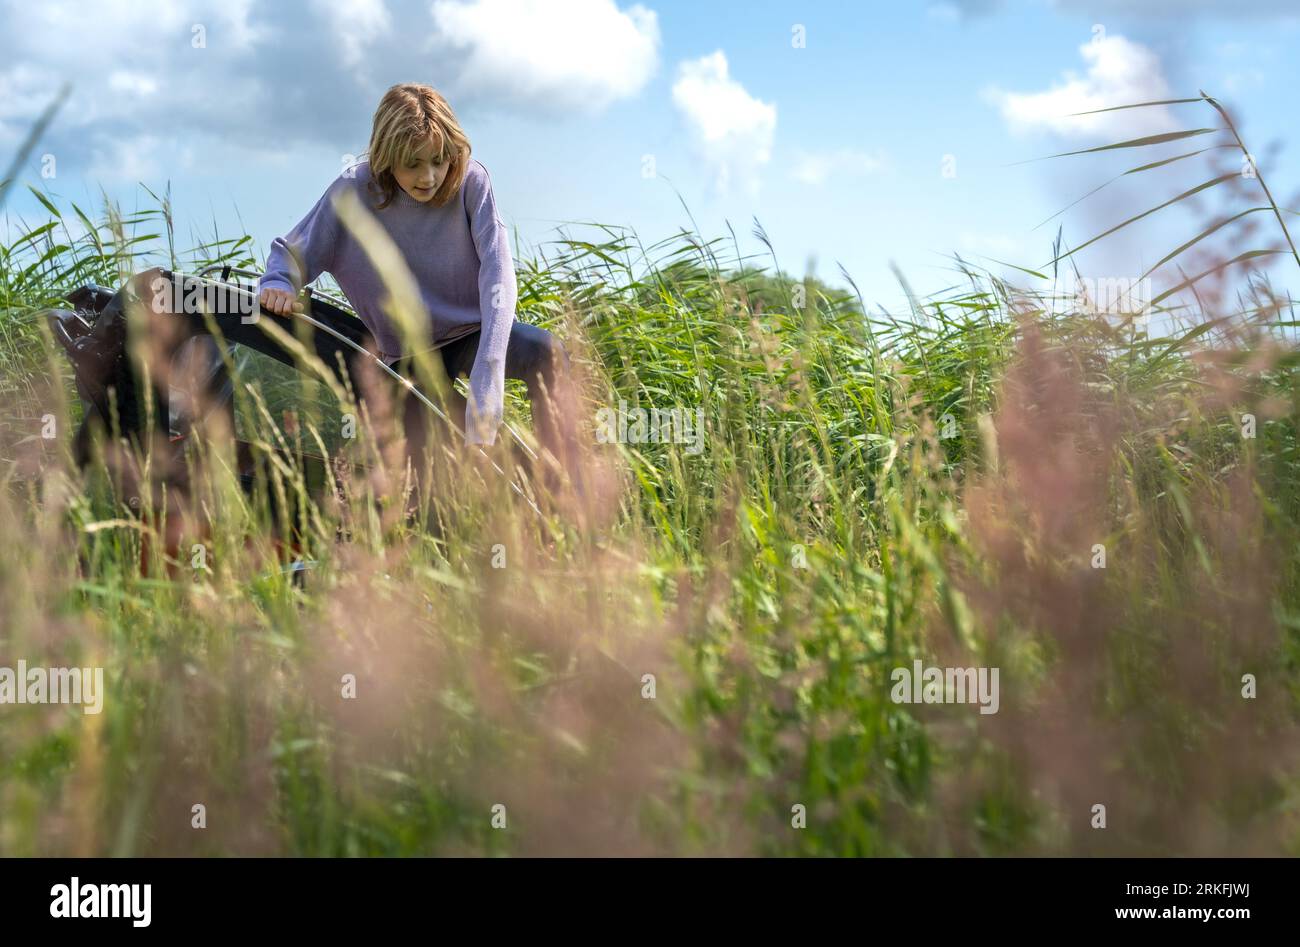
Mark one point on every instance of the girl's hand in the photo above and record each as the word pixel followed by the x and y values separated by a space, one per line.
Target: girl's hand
pixel 279 301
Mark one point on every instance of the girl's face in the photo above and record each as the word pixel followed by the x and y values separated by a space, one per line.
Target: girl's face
pixel 423 174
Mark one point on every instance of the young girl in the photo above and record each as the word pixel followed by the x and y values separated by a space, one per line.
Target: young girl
pixel 437 205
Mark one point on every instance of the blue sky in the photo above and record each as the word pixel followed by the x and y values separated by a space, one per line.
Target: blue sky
pixel 587 109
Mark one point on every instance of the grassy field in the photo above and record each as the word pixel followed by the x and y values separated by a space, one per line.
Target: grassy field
pixel 697 658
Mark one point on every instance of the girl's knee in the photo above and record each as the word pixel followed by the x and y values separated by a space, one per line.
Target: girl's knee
pixel 544 354
pixel 553 353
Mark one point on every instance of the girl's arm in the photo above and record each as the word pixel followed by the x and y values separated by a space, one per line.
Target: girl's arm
pixel 306 251
pixel 497 292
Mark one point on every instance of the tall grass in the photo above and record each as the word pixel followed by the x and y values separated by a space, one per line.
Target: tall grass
pixel 678 662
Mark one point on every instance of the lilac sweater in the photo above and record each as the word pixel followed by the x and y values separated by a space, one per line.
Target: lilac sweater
pixel 459 255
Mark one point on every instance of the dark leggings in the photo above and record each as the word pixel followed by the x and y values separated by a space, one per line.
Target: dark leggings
pixel 534 356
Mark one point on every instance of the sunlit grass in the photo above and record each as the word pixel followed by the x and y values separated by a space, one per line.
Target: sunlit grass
pixel 872 490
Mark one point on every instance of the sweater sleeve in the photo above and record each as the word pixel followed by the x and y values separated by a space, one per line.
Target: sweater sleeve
pixel 306 251
pixel 498 293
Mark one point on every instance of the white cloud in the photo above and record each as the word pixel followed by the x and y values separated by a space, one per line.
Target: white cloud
pixel 126 160
pixel 1120 72
pixel 733 130
pixel 24 91
pixel 132 69
pixel 132 83
pixel 300 77
pixel 582 54
pixel 356 24
pixel 816 167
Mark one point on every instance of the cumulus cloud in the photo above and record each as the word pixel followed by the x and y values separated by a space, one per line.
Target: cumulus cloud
pixel 816 167
pixel 148 81
pixel 144 157
pixel 356 25
pixel 230 80
pixel 732 129
pixel 127 82
pixel 579 55
pixel 1119 72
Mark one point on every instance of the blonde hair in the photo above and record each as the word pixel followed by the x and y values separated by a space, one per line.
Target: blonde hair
pixel 410 116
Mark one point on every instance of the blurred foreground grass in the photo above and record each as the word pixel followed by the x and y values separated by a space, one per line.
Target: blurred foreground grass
pixel 700 662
